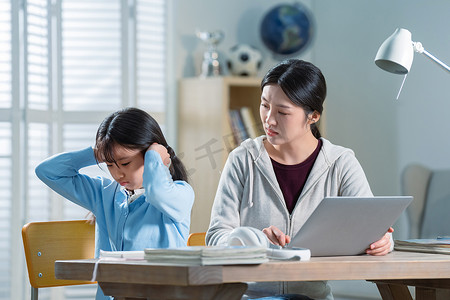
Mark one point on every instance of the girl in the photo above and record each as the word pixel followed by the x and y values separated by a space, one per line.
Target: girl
pixel 275 182
pixel 148 204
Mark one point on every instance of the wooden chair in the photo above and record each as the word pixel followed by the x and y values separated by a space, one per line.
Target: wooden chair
pixel 196 239
pixel 46 242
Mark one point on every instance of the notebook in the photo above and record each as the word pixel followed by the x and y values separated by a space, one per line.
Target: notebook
pixel 348 225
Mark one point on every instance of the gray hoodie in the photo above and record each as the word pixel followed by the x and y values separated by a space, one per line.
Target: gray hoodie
pixel 248 194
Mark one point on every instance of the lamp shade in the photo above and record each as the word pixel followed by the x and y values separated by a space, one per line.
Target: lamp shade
pixel 396 53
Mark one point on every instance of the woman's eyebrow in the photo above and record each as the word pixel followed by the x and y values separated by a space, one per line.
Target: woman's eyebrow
pixel 284 106
pixel 278 105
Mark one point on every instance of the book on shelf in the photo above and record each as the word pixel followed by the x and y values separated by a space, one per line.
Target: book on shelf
pixel 249 122
pixel 229 138
pixel 206 255
pixel 237 126
pixel 438 245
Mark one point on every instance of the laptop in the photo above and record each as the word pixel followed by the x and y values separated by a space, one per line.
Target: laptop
pixel 348 225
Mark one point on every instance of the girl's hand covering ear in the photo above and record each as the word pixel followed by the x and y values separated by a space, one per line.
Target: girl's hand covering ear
pixel 162 151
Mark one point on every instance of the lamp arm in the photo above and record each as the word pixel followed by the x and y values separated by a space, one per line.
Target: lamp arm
pixel 419 48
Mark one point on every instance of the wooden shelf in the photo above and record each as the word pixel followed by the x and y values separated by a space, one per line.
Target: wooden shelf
pixel 204 135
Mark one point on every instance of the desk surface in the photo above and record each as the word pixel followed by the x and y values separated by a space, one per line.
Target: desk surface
pixel 396 265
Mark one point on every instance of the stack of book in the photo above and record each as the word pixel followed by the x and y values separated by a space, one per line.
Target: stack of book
pixel 438 245
pixel 243 125
pixel 205 255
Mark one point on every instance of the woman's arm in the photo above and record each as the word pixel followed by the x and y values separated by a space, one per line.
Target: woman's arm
pixel 353 180
pixel 172 198
pixel 354 183
pixel 61 174
pixel 225 214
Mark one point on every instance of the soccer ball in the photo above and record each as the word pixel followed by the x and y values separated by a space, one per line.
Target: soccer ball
pixel 244 60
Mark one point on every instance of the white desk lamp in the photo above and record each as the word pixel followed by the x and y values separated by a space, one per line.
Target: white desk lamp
pixel 396 54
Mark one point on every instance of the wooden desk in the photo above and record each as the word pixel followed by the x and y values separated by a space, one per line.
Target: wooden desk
pixel 392 273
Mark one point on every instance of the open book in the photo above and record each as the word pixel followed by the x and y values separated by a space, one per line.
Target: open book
pixel 121 255
pixel 207 255
pixel 438 245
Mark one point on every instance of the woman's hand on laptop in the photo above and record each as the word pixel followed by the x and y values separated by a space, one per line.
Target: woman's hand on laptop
pixel 383 246
pixel 276 236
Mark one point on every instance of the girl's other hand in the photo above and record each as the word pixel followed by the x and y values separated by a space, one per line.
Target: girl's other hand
pixel 276 236
pixel 162 151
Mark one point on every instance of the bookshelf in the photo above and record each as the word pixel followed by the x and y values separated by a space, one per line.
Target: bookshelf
pixel 204 133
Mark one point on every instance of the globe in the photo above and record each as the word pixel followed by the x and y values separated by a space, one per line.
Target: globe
pixel 286 29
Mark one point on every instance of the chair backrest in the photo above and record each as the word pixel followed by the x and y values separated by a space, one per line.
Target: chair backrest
pixel 428 213
pixel 46 242
pixel 435 216
pixel 196 239
pixel 415 181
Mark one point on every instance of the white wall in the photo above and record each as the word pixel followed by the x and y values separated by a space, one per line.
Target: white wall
pixel 362 113
pixel 239 20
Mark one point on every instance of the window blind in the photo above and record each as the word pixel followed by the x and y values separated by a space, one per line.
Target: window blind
pixel 91 55
pixel 75 57
pixel 5 54
pixel 38 204
pixel 5 149
pixel 37 38
pixel 37 95
pixel 150 52
pixel 5 209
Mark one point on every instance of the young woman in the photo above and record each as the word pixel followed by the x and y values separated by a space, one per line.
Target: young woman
pixel 147 205
pixel 276 181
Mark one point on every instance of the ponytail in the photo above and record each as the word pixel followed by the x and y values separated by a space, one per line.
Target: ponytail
pixel 315 131
pixel 177 169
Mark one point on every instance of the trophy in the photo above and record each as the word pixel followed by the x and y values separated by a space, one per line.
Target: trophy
pixel 213 63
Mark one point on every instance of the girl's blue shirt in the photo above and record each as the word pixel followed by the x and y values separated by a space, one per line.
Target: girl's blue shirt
pixel 159 218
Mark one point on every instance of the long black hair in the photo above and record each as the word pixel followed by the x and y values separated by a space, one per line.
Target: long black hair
pixel 134 129
pixel 303 83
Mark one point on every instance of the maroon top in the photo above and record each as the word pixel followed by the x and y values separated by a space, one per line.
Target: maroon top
pixel 292 178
